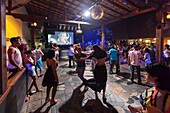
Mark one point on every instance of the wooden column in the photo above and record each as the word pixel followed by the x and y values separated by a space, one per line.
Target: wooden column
pixel 32 30
pixel 103 37
pixel 3 70
pixel 82 42
pixel 159 35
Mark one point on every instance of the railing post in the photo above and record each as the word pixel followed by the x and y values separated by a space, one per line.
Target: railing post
pixel 3 70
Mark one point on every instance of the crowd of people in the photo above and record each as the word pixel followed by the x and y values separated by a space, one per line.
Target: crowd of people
pixel 153 100
pixel 158 97
pixel 19 57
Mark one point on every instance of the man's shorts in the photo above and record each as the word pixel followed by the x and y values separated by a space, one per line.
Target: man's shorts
pixel 38 64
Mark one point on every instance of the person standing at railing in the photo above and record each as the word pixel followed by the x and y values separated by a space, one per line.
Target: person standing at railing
pixel 30 63
pixel 23 48
pixel 15 62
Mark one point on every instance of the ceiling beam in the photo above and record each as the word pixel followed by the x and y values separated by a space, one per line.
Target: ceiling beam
pixel 119 6
pixel 152 3
pixel 16 7
pixel 9 6
pixel 43 10
pixel 27 18
pixel 68 8
pixel 46 4
pixel 133 13
pixel 132 3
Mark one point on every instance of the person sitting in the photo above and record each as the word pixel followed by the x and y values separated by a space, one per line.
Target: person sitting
pixel 98 83
pixel 158 96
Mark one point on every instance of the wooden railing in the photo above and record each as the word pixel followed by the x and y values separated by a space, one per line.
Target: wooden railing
pixel 11 83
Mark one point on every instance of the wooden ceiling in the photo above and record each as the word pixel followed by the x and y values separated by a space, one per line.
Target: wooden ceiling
pixel 64 10
pixel 60 11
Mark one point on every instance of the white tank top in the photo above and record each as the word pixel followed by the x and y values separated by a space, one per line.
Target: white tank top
pixel 38 54
pixel 17 58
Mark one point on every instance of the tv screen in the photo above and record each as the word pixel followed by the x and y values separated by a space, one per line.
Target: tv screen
pixel 61 38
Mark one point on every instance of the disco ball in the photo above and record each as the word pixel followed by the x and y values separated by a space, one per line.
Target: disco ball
pixel 97 13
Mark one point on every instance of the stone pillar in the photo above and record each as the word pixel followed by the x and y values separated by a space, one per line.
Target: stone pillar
pixel 3 70
pixel 103 37
pixel 159 34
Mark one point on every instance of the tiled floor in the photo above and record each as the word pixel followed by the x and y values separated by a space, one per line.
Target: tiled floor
pixel 73 100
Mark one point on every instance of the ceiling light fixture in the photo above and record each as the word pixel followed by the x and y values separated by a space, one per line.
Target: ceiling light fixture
pixel 87 13
pixel 79 31
pixel 168 16
pixel 34 24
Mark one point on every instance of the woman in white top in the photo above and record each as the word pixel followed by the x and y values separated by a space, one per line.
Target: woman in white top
pixel 56 49
pixel 167 54
pixel 30 63
pixel 147 57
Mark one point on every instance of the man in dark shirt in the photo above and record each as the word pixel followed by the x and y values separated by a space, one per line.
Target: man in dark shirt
pixel 80 63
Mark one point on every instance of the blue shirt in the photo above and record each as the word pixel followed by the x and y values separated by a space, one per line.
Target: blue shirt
pixel 113 54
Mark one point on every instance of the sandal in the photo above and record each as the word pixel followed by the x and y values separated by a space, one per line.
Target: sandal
pixel 39 90
pixel 85 88
pixel 47 99
pixel 53 102
pixel 28 93
pixel 104 99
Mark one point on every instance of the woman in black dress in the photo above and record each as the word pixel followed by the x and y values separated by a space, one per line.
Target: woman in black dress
pixel 98 83
pixel 51 78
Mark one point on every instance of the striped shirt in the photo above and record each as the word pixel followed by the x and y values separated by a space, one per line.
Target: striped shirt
pixel 158 99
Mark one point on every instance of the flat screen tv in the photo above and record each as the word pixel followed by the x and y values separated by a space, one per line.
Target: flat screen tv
pixel 61 38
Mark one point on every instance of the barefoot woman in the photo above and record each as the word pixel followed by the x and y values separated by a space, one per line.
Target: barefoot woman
pixel 51 78
pixel 98 83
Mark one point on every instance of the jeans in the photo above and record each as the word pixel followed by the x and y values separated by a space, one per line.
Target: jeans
pixel 167 60
pixel 132 68
pixel 71 58
pixel 112 63
pixel 80 71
